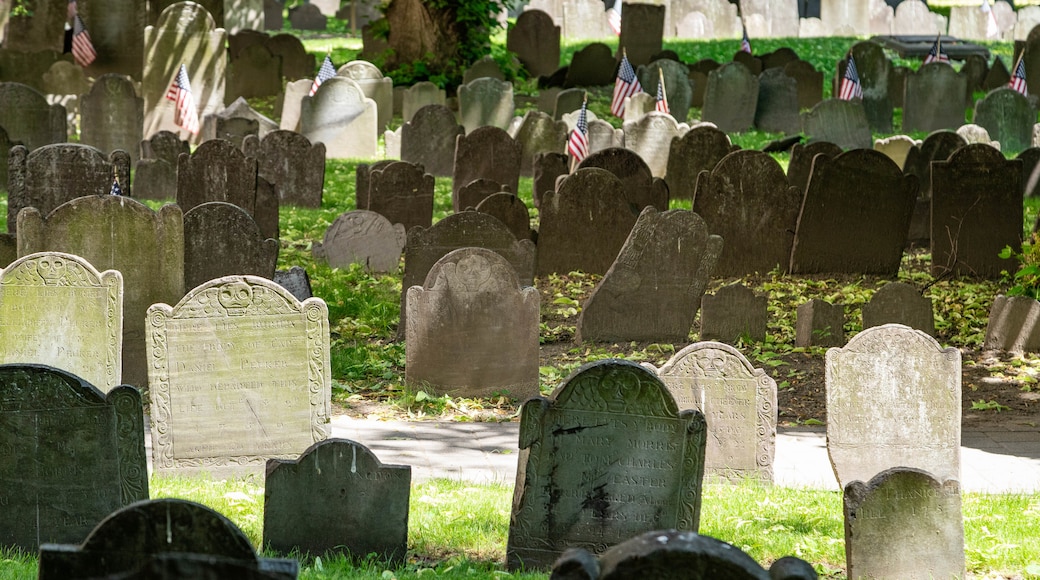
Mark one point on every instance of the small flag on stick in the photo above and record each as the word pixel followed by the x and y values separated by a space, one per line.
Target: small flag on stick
pixel 614 17
pixel 850 86
pixel 326 72
pixel 578 144
pixel 82 48
pixel 1018 79
pixel 662 97
pixel 936 54
pixel 625 86
pixel 116 190
pixel 186 116
pixel 745 43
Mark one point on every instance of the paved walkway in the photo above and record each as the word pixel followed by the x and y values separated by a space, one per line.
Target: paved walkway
pixel 992 461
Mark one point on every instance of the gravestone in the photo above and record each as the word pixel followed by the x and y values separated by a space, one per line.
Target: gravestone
pixel 938 146
pixel 472 305
pixel 274 15
pixel 535 39
pixel 5 152
pixel 1030 159
pixel 747 200
pixel 185 33
pixel 374 85
pixel 511 211
pixel 904 523
pixel 547 168
pixel 420 95
pixel 753 63
pixel 402 193
pixel 976 211
pixel 699 149
pixel 369 516
pixel 112 115
pixel 584 223
pixel 363 237
pixel 221 239
pixel 476 191
pixel 296 62
pixel 651 138
pixel 897 83
pixel 976 68
pixel 568 101
pixel 607 456
pixel 1031 58
pixel 800 166
pixel 37 27
pixel 296 281
pixel 235 129
pixel 912 17
pixel 777 108
pixel 843 123
pixel 293 165
pixel 485 102
pixel 873 68
pixel 56 488
pixel 1008 117
pixel 641 188
pixel 244 15
pixel 164 145
pixel 239 40
pixel 855 216
pixel 592 66
pixel 893 400
pixel 214 7
pixel 27 117
pixel 8 249
pixel 163 538
pixel 42 292
pixel 342 117
pixel 899 303
pixel 733 313
pixel 810 82
pixel 489 153
pixel 737 400
pixel 429 139
pixel 362 179
pixel 255 72
pixel 307 17
pixel 484 67
pixel 897 148
pixel 65 78
pixel 292 103
pixel 638 105
pixel 155 176
pixel 972 133
pixel 539 133
pixel 602 135
pixel 222 402
pixel 997 77
pixel 820 323
pixel 676 85
pixel 584 20
pixel 238 109
pixel 652 290
pixel 771 18
pixel 217 171
pixel 1014 325
pixel 730 98
pixel 642 32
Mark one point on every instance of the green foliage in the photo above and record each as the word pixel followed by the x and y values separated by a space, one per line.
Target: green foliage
pixel 1026 280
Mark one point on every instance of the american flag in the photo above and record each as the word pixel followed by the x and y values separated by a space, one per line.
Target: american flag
pixel 745 43
pixel 625 86
pixel 82 49
pixel 614 17
pixel 992 29
pixel 662 97
pixel 1018 80
pixel 186 115
pixel 116 190
pixel 326 72
pixel 578 144
pixel 936 54
pixel 850 86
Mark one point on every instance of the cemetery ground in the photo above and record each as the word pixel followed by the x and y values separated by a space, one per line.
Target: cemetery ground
pixel 459 529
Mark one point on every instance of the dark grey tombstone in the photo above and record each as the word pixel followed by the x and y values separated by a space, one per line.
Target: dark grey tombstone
pixel 363 180
pixel 873 67
pixel 642 32
pixel 975 69
pixel 112 115
pixel 72 455
pixel 641 188
pixel 535 39
pixel 731 98
pixel 476 191
pixel 855 216
pixel 429 139
pixel 610 430
pixel 539 133
pixel 369 514
pixel 674 554
pixel 976 211
pixel 592 66
pixel 567 101
pixel 164 145
pixel 779 58
pixel 584 223
pixel 933 98
pixel 652 291
pixel 402 193
pixel 1031 58
pixel 997 76
pixel 777 107
pixel 843 123
pixel 296 62
pixel 899 303
pixel 800 167
pixel 938 146
pixel 904 523
pixel 810 82
pixel 697 150
pixel 897 85
pixel 235 129
pixel 676 85
pixel 753 63
pixel 214 7
pixel 265 212
pixel 1008 116
pixel 255 72
pixel 546 168
pixel 699 85
pixel 489 153
pixel 747 200
pixel 820 323
pixel 1030 160
pixel 155 179
pixel 511 211
pixel 274 15
pixel 221 239
pixel 217 171
pixel 294 165
pixel 733 313
pixel 28 68
pixel 296 281
pixel 163 538
pixel 54 174
pixel 238 41
pixel 28 118
pixel 307 17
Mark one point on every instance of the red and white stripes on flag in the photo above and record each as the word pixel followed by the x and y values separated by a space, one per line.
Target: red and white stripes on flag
pixel 578 144
pixel 850 86
pixel 936 54
pixel 614 17
pixel 82 48
pixel 662 97
pixel 1018 80
pixel 325 72
pixel 186 116
pixel 625 86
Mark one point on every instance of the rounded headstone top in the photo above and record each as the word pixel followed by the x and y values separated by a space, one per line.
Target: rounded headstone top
pixel 186 17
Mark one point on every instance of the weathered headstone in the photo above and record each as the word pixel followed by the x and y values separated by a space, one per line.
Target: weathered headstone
pixel 1008 116
pixel 486 102
pixel 777 108
pixel 429 139
pixel 473 193
pixel 1014 324
pixel 843 123
pixel 547 167
pixel 484 67
pixel 899 303
pixel 27 117
pixel 641 188
pixel 292 103
pixel 651 138
pixel 539 133
pixel 363 237
pixel 307 17
pixel 274 15
pixel 820 323
pixel 602 135
pixel 255 72
pixel 401 192
pixel 65 78
pixel 489 153
pixel 112 115
pixel 55 488
pixel 733 313
pixel 221 239
pixel 511 211
pixel 294 165
pixel 810 82
pixel 217 171
pixel 296 281
pixel 342 117
pixel 933 98
pixel 893 400
pixel 584 20
pixel 296 62
pixel 243 15
pixel 800 167
pixel 676 84
pixel 730 98
pixel 536 41
pixel 374 85
pixel 997 76
pixel 418 96
pixel 938 146
pixel 699 149
pixel 642 32
pixel 912 17
pixel 592 66
pixel 37 27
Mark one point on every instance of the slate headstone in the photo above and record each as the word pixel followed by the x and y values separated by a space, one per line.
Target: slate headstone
pixel 221 239
pixel 800 167
pixel 810 82
pixel 117 32
pixel 843 123
pixel 488 153
pixel 676 84
pixel 511 211
pixel 112 115
pixel 296 62
pixel 217 171
pixel 486 102
pixel 254 72
pixel 730 98
pixel 535 39
pixel 733 313
pixel 294 165
pixel 937 146
pixel 640 186
pixel 642 32
pixel 418 96
pixel 820 323
pixel 592 66
pixel 363 237
pixel 546 168
pixel 307 17
pixel 342 117
pixel 899 303
pixel 539 133
pixel 699 149
pixel 402 193
pixel 429 139
pixel 296 281
pixel 777 108
pixel 1008 116
pixel 28 118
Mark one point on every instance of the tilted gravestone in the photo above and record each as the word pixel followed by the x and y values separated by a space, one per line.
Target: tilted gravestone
pixel 747 200
pixel 233 129
pixel 217 171
pixel 547 168
pixel 650 137
pixel 111 115
pixel 293 165
pixel 843 123
pixel 592 66
pixel 938 146
pixel 904 523
pixel 363 178
pixel 54 174
pixel 676 84
pixel 899 303
pixel 873 68
pixel 800 167
pixel 28 118
pixel 976 212
pixel 539 133
pixel 535 39
pixel 489 153
pixel 163 538
pixel 1008 116
pixel 820 323
pixel 893 400
pixel 296 281
pixel 699 149
pixel 640 187
pixel 374 85
pixel 221 239
pixel 342 117
pixel 855 216
pixel 652 290
pixel 734 313
pixel 362 237
pixel 55 488
pixel 429 139
pixel 486 102
pixel 476 191
pixel 810 82
pixel 292 102
pixel 511 211
pixel 472 306
pixel 738 402
pixel 730 98
pixel 607 456
pixel 777 108
pixel 933 98
pixel 370 514
pixel 46 291
pixel 402 193
pixel 240 374
pixel 642 32
pixel 584 223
